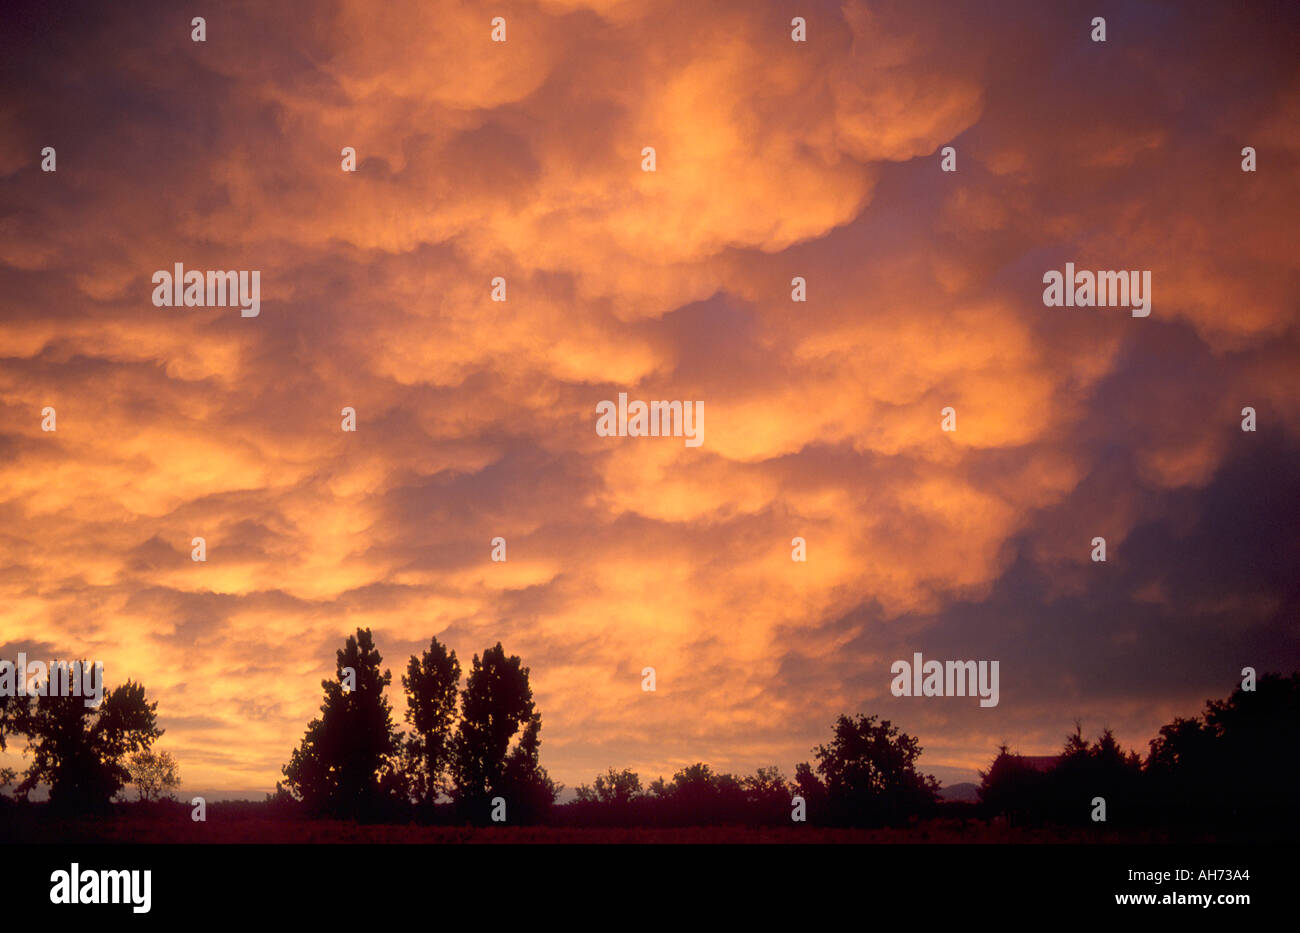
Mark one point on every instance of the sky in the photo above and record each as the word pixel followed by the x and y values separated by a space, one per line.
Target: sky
pixel 476 418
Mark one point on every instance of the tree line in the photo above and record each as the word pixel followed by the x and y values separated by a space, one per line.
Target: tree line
pixel 1230 767
pixel 477 746
pixel 478 749
pixel 471 754
pixel 82 754
pixel 865 775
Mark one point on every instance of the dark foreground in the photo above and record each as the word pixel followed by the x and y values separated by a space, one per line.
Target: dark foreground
pixel 726 886
pixel 246 829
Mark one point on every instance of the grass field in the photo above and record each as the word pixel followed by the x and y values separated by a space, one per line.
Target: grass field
pixel 244 829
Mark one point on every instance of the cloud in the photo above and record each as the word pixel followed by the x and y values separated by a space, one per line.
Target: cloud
pixel 475 418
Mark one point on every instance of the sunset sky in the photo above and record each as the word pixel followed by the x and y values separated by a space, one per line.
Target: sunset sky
pixel 476 419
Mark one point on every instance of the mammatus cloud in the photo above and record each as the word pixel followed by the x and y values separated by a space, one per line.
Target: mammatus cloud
pixel 476 417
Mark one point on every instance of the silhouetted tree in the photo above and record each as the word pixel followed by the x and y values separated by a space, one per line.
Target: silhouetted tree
pixel 615 798
pixel 1183 743
pixel 694 795
pixel 8 710
pixel 431 682
pixel 1258 733
pixel 77 750
pixel 9 706
pixel 615 788
pixel 1012 788
pixel 699 796
pixel 768 796
pixel 282 804
pixel 869 772
pixel 526 785
pixel 346 764
pixel 1086 771
pixel 1062 792
pixel 153 773
pixel 808 786
pixel 495 704
pixel 1227 768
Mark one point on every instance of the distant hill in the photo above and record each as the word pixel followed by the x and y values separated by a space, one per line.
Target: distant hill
pixel 965 792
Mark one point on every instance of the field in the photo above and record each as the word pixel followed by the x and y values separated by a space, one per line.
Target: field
pixel 254 829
